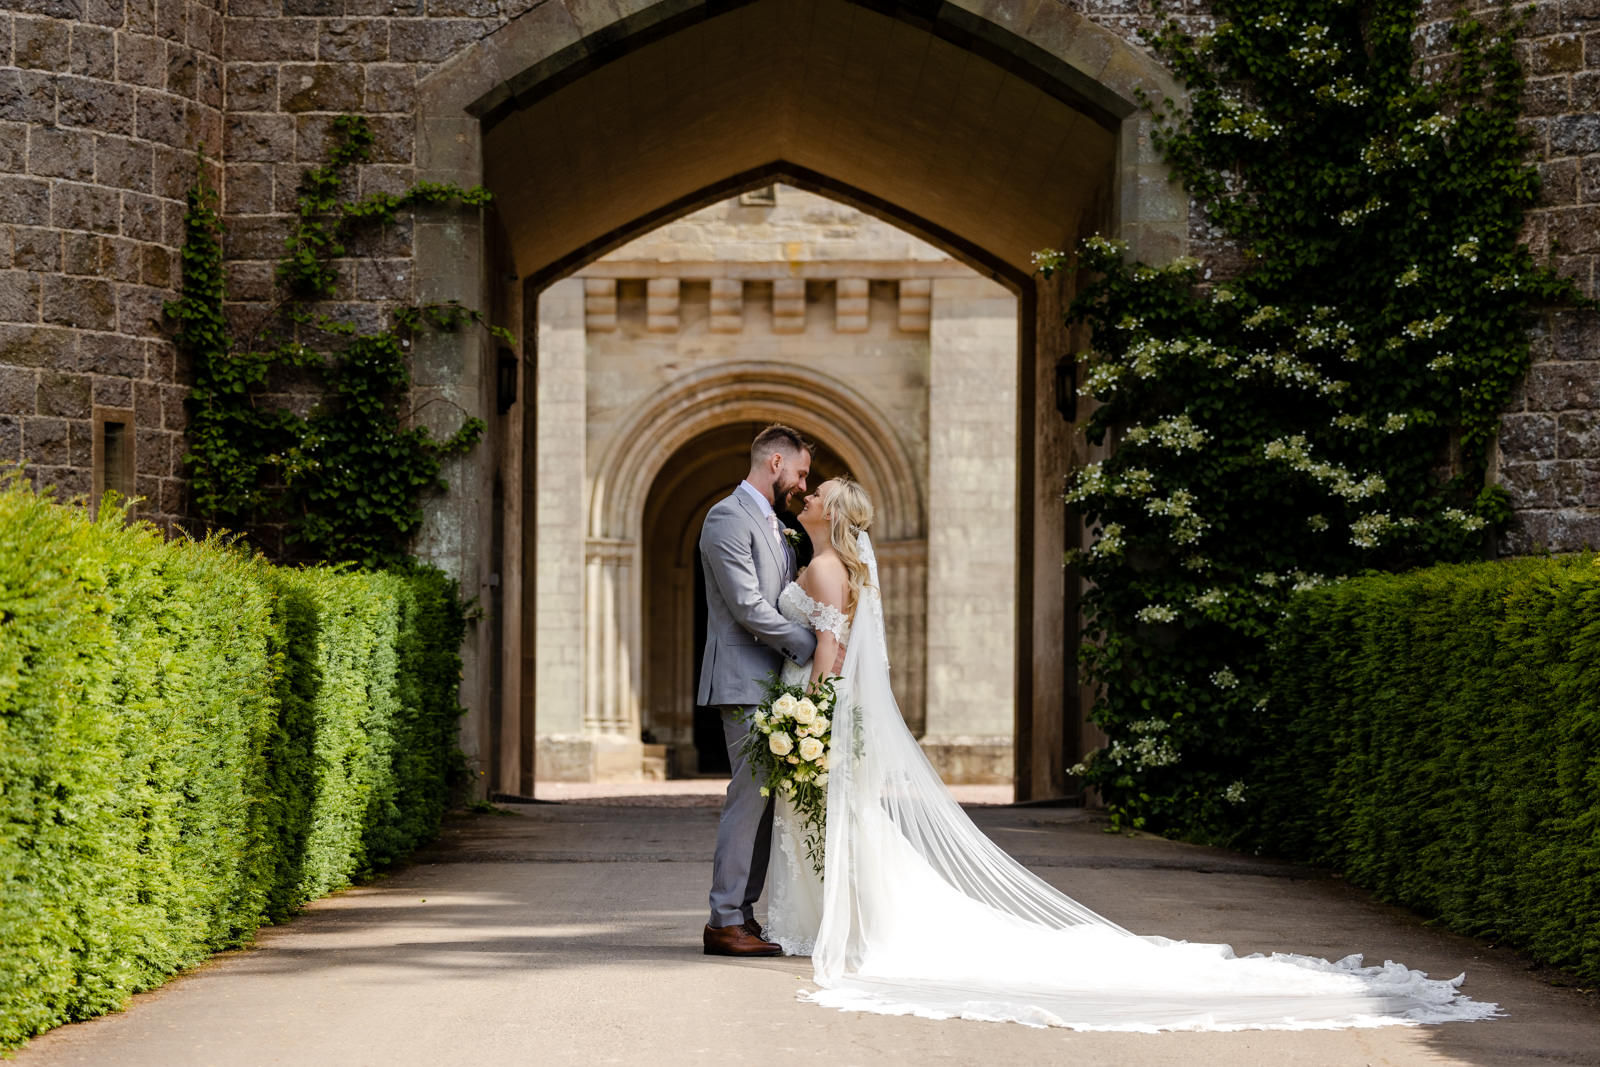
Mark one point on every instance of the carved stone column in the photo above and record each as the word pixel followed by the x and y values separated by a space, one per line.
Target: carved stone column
pixel 613 657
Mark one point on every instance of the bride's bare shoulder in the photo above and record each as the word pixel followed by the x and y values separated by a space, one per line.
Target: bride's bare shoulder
pixel 825 580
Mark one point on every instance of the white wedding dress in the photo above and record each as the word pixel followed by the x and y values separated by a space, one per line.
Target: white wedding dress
pixel 919 913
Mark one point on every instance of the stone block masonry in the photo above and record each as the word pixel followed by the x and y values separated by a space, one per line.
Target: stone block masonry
pixel 104 104
pixel 101 117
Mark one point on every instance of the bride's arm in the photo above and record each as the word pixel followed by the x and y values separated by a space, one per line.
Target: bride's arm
pixel 825 582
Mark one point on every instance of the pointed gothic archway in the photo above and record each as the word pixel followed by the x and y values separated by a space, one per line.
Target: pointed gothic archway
pixel 990 127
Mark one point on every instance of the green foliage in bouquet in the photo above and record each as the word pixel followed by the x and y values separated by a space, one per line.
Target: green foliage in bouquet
pixel 194 743
pixel 347 478
pixel 1326 411
pixel 1435 736
pixel 791 734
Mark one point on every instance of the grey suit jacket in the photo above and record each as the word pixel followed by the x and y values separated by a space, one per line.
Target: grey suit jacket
pixel 746 637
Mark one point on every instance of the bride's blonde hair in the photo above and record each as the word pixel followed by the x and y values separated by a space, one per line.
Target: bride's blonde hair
pixel 849 512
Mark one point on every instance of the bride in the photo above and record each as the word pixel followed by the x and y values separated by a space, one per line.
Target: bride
pixel 918 913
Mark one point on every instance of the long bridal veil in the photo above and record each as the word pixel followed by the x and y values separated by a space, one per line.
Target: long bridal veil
pixel 923 914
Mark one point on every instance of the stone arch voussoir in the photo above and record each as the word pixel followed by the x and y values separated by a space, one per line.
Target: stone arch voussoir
pixel 813 403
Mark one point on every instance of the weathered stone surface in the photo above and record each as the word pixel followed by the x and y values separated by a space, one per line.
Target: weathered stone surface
pixel 86 207
pixel 124 164
pixel 32 247
pixel 27 96
pixel 113 392
pixel 353 41
pixel 10 439
pixel 65 394
pixel 112 354
pixel 19 296
pixel 390 87
pixel 252 87
pixel 19 389
pixel 83 303
pixel 41 43
pixel 44 440
pixel 264 138
pixel 320 87
pixel 96 105
pixel 141 60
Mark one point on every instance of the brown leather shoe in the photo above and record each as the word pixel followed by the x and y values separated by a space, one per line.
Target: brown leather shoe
pixel 737 941
pixel 755 929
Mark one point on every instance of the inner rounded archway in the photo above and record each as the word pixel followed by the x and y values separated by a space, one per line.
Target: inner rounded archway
pixel 687 739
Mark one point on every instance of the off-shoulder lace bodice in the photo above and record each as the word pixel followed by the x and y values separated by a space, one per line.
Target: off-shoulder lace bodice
pixel 797 606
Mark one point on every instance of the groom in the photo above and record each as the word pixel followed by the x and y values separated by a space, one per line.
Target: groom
pixel 748 562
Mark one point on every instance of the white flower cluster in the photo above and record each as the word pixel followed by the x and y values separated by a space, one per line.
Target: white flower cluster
pixel 1048 259
pixel 1234 794
pixel 1109 544
pixel 1157 613
pixel 1422 328
pixel 1410 276
pixel 1224 679
pixel 1442 363
pixel 1463 520
pixel 1296 451
pixel 1351 216
pixel 1089 481
pixel 1369 530
pixel 1468 250
pixel 1146 752
pixel 1098 243
pixel 1178 434
pixel 1211 598
pixel 1345 90
pixel 1179 505
pixel 1434 126
pixel 1317 523
pixel 1315 50
pixel 1136 481
pixel 1195 562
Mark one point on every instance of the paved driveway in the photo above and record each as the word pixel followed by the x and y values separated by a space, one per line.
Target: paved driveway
pixel 569 934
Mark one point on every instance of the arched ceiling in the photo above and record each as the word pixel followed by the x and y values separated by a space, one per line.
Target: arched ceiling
pixel 947 143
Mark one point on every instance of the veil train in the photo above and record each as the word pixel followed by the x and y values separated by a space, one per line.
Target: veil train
pixel 922 914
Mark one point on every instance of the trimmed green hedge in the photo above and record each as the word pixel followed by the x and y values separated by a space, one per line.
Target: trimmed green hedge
pixel 193 743
pixel 1436 737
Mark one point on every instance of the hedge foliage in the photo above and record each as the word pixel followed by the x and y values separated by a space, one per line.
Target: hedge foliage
pixel 1435 736
pixel 194 743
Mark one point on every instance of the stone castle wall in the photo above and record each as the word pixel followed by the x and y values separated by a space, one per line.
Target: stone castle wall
pixel 104 103
pixel 102 106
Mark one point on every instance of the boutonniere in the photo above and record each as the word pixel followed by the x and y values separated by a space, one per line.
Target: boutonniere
pixel 791 536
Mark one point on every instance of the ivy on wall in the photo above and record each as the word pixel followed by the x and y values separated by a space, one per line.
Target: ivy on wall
pixel 1326 410
pixel 346 480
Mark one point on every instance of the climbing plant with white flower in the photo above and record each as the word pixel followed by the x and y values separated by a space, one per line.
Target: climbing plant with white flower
pixel 1324 409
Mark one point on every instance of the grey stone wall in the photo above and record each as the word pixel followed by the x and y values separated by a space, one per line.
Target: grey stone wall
pixel 103 103
pixel 102 107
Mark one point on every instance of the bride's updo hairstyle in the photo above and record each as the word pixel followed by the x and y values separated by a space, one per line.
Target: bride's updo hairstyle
pixel 849 512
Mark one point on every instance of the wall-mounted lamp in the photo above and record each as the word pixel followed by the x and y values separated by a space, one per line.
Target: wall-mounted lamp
pixel 1067 387
pixel 505 380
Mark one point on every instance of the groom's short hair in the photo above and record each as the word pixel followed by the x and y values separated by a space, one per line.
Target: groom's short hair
pixel 777 438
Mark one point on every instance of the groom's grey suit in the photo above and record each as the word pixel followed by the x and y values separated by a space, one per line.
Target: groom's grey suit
pixel 747 639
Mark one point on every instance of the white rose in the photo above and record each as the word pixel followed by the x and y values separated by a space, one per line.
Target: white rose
pixel 811 748
pixel 824 702
pixel 784 705
pixel 822 779
pixel 780 744
pixel 822 763
pixel 820 727
pixel 761 718
pixel 805 711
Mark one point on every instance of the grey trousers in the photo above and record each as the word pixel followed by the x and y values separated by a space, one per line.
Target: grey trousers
pixel 744 835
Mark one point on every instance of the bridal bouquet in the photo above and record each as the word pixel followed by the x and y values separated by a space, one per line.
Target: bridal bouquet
pixel 788 749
